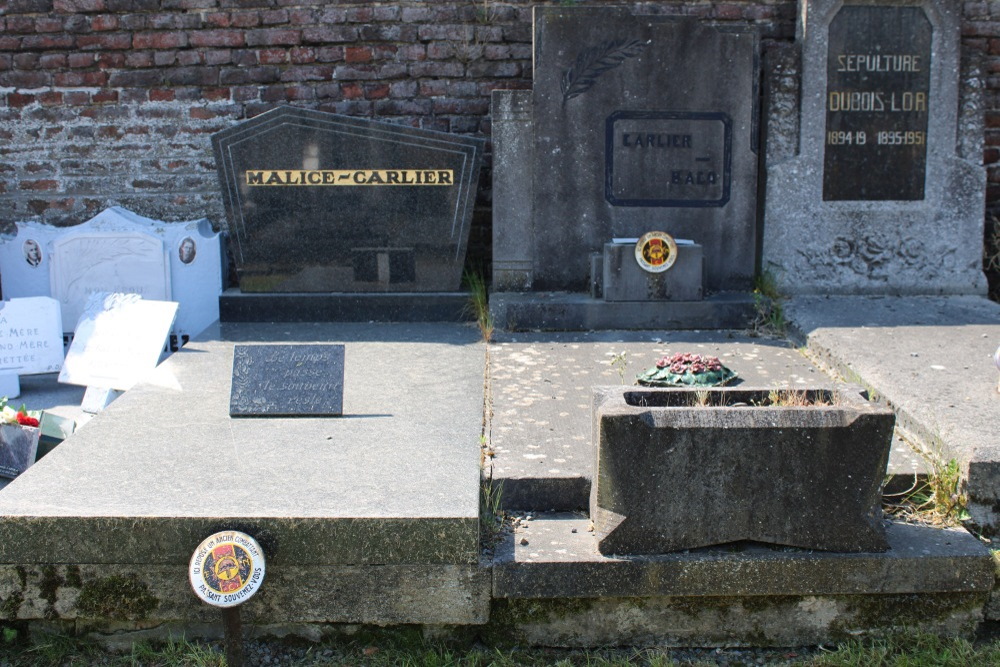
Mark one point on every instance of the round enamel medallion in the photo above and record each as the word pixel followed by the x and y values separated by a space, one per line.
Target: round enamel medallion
pixel 227 568
pixel 656 252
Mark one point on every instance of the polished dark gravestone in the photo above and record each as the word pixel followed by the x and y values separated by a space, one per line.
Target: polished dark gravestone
pixel 287 381
pixel 877 101
pixel 318 202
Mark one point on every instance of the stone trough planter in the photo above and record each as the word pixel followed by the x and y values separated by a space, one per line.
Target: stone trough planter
pixel 683 468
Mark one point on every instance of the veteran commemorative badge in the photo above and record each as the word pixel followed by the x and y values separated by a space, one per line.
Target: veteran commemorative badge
pixel 656 252
pixel 227 568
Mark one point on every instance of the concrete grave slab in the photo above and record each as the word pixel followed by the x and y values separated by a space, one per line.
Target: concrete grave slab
pixel 930 358
pixel 542 392
pixel 394 481
pixel 553 588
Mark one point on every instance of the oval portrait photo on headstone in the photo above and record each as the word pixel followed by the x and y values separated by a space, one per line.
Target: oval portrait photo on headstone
pixel 32 252
pixel 656 252
pixel 227 569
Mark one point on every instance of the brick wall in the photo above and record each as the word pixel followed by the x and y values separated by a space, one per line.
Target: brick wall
pixel 108 102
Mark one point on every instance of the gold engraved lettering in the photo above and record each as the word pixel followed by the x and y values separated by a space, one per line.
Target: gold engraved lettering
pixel 349 177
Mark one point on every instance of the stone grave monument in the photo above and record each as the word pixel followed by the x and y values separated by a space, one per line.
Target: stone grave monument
pixel 874 183
pixel 118 251
pixel 340 218
pixel 636 124
pixel 31 340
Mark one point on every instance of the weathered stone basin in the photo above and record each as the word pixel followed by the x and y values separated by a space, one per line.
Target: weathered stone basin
pixel 682 468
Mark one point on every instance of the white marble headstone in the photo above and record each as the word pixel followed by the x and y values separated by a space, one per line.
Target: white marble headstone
pixel 118 340
pixel 31 338
pixel 118 251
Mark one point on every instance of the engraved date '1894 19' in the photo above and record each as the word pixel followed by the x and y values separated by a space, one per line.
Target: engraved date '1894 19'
pixel 595 61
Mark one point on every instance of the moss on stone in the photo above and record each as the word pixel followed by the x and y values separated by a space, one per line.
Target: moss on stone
pixel 119 598
pixel 10 606
pixel 73 579
pixel 48 587
pixel 905 610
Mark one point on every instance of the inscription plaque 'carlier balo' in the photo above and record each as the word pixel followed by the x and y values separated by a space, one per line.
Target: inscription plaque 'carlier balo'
pixel 877 102
pixel 287 380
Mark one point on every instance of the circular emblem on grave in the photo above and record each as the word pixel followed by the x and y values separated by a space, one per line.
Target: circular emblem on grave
pixel 656 252
pixel 227 568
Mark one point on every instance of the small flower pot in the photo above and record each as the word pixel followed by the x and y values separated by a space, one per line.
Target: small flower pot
pixel 18 447
pixel 682 468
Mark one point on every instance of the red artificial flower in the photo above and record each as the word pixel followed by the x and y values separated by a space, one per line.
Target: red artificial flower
pixel 25 420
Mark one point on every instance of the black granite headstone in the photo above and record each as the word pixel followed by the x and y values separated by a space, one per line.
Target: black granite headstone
pixel 878 95
pixel 287 380
pixel 318 202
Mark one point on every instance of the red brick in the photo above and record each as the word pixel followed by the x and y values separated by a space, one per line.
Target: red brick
pixel 245 19
pixel 104 23
pixel 272 56
pixel 232 38
pixel 139 59
pixel 78 6
pixel 72 79
pixel 159 40
pixel 215 94
pixel 105 97
pixel 274 17
pixel 47 42
pixel 358 54
pixel 302 55
pixel 51 98
pixel 76 98
pixel 53 61
pixel 218 57
pixel 329 34
pixel 105 41
pixel 8 43
pixel 218 19
pixel 81 59
pixel 161 95
pixel 352 91
pixel 26 61
pixel 19 100
pixel 24 79
pixel 20 24
pixel 201 113
pixel 111 60
pixel 376 91
pixel 274 37
pixel 330 54
pixel 40 185
pixel 49 25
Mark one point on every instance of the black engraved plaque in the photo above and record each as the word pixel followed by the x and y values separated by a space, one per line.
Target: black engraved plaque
pixel 287 381
pixel 877 101
pixel 665 158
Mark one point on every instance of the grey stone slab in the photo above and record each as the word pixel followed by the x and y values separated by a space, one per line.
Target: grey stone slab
pixel 568 311
pixel 849 160
pixel 931 359
pixel 395 480
pixel 98 597
pixel 641 123
pixel 625 280
pixel 319 202
pixel 513 182
pixel 541 391
pixel 555 555
pixel 672 474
